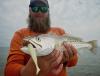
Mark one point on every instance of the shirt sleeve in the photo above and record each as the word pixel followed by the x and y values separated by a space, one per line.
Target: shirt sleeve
pixel 15 60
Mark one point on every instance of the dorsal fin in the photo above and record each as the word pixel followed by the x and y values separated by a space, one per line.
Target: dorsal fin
pixel 72 37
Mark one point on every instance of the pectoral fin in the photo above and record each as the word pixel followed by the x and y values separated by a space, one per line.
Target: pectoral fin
pixel 34 56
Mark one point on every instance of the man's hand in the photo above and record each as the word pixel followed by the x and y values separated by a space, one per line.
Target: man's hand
pixel 47 64
pixel 69 51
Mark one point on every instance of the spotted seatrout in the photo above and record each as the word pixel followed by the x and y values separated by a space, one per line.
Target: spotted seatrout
pixel 44 44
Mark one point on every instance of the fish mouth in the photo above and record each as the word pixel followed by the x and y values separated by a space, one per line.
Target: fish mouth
pixel 34 44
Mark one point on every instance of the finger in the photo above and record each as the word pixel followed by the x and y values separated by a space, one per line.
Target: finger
pixel 56 71
pixel 57 61
pixel 69 50
pixel 54 58
pixel 74 50
pixel 65 53
pixel 71 53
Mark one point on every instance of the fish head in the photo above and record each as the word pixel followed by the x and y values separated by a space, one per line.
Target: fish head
pixel 43 44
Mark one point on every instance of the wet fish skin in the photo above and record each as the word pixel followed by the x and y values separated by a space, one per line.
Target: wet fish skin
pixel 45 43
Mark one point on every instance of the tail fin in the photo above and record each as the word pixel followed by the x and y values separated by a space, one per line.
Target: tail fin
pixel 93 43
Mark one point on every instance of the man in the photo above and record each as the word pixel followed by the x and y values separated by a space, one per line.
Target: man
pixel 21 64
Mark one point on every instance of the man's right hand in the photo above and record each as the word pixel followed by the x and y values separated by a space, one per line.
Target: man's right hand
pixel 49 62
pixel 46 64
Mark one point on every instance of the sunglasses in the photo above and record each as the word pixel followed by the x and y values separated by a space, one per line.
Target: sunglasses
pixel 42 9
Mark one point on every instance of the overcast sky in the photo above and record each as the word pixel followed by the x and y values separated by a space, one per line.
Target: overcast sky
pixel 78 17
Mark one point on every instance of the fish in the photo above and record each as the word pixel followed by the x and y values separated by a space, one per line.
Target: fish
pixel 44 44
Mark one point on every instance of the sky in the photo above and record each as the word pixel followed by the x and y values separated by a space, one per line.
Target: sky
pixel 79 18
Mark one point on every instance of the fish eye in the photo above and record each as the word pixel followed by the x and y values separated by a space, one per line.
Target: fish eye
pixel 38 39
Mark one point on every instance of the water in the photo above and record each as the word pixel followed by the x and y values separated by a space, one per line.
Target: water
pixel 88 63
pixel 3 57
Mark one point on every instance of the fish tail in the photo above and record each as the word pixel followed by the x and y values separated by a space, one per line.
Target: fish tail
pixel 93 43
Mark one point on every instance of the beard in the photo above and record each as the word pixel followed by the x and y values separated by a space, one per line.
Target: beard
pixel 39 25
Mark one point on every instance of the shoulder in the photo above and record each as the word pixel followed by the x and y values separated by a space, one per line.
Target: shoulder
pixel 57 30
pixel 23 32
pixel 19 34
